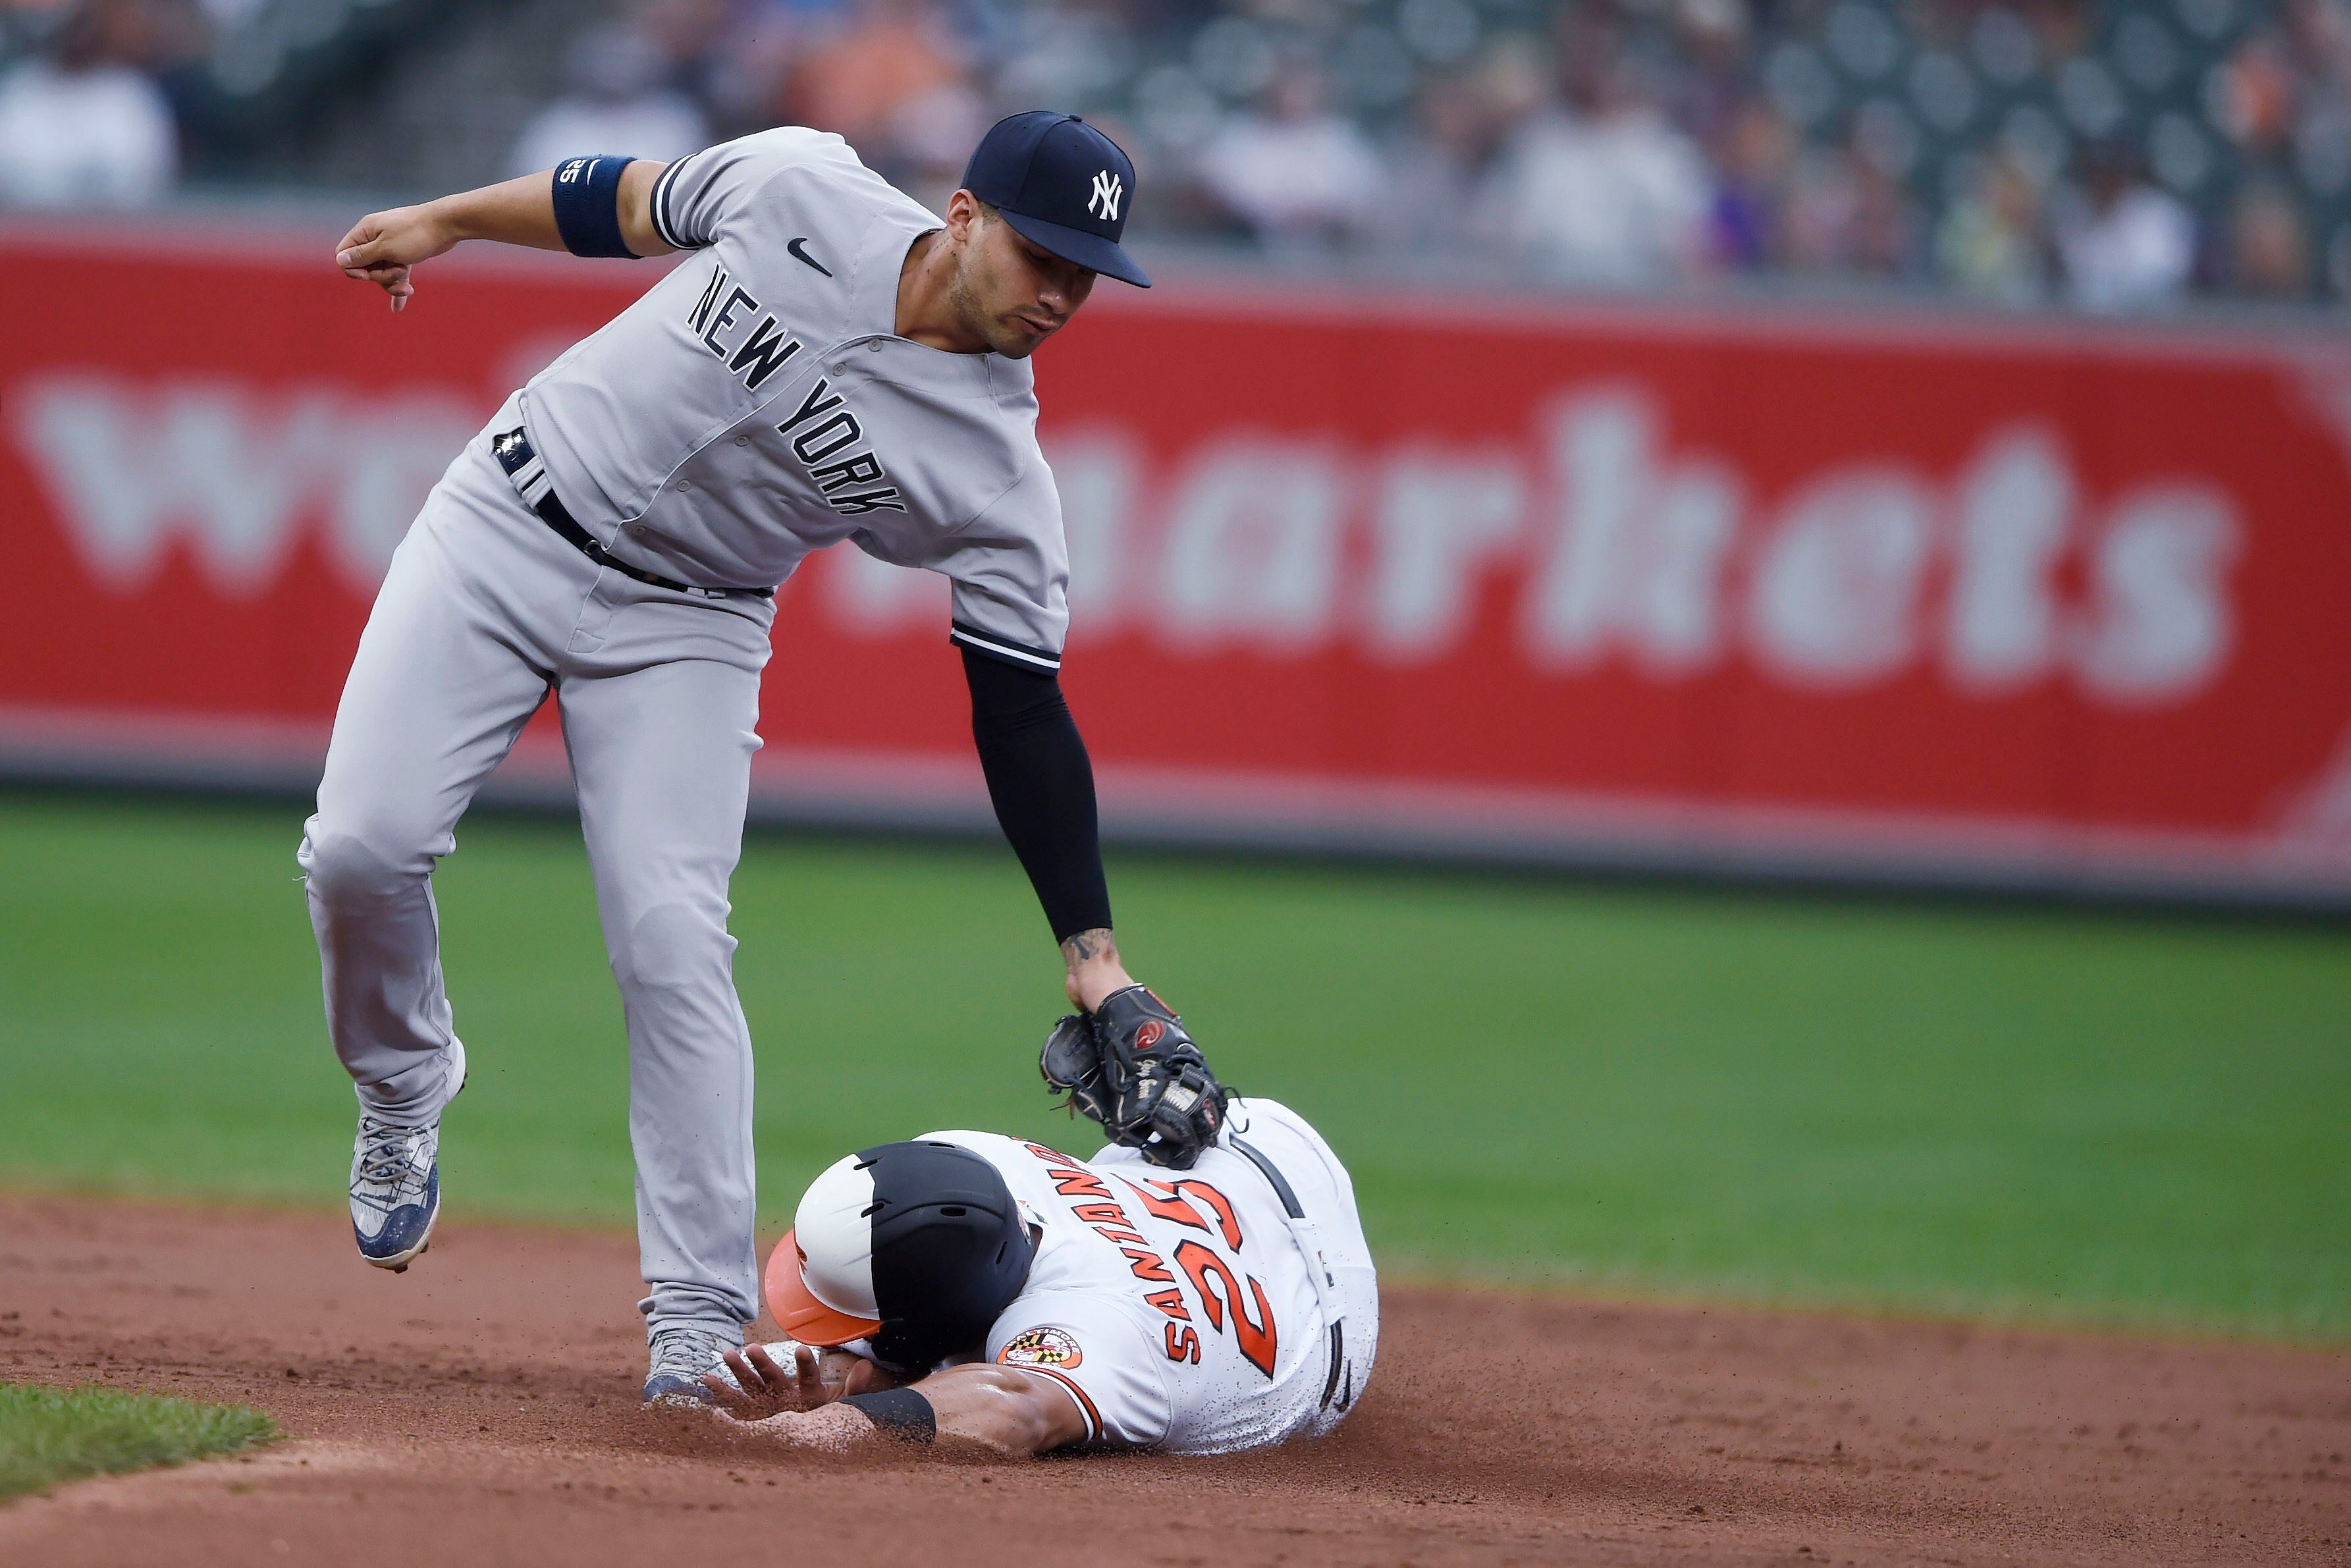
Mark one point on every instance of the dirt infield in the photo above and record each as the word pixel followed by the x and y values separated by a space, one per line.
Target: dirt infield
pixel 481 1409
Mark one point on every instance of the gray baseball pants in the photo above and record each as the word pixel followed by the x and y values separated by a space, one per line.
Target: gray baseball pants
pixel 484 613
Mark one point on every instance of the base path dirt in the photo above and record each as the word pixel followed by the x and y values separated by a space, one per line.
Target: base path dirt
pixel 482 1408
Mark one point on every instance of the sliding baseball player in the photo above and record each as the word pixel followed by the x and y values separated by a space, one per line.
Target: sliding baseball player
pixel 831 363
pixel 1199 1287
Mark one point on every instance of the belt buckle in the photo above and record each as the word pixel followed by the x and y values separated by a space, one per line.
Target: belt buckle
pixel 512 449
pixel 525 469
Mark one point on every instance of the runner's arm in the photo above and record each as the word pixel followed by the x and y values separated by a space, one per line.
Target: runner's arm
pixel 1002 1409
pixel 384 247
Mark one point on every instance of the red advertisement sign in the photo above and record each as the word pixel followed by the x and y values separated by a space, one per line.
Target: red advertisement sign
pixel 2017 601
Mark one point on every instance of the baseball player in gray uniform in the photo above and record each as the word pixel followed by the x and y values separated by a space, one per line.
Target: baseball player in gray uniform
pixel 835 363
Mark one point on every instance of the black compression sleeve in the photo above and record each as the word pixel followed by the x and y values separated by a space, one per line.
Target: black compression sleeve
pixel 900 1413
pixel 1042 787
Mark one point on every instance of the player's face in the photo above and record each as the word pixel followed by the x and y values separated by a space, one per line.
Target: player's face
pixel 1016 293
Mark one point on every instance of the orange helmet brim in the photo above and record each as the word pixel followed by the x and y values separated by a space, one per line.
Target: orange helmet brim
pixel 796 1309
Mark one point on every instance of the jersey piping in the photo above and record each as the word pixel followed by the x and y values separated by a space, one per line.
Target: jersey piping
pixel 1085 1404
pixel 661 204
pixel 987 642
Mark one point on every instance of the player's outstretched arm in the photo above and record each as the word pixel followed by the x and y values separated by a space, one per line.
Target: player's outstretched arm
pixel 1043 786
pixel 384 248
pixel 1003 1408
pixel 999 1409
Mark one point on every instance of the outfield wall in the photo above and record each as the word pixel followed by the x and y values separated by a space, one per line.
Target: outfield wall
pixel 1786 592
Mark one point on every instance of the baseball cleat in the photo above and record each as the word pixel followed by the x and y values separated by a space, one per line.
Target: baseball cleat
pixel 681 1354
pixel 396 1185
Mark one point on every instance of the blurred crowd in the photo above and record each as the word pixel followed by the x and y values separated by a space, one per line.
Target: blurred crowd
pixel 2108 156
pixel 84 121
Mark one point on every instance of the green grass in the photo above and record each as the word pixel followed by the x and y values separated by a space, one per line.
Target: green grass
pixel 52 1435
pixel 2003 1111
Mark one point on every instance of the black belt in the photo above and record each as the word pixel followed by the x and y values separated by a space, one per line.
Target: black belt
pixel 1290 1205
pixel 529 477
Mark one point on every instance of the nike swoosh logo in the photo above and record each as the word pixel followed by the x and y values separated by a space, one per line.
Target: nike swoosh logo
pixel 801 255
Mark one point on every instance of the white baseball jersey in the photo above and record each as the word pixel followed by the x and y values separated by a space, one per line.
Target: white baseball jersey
pixel 756 404
pixel 1177 1307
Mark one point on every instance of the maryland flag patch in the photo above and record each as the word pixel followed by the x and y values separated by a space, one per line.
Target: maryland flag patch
pixel 1043 1347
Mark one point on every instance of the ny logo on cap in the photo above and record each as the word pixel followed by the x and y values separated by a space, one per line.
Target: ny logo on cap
pixel 1104 202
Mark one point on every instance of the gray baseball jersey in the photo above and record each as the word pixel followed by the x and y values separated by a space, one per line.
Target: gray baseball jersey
pixel 756 404
pixel 753 406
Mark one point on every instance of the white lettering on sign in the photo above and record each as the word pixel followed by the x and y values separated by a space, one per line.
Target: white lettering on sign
pixel 1440 524
pixel 2015 501
pixel 1251 550
pixel 133 469
pixel 1674 615
pixel 1836 591
pixel 2160 624
pixel 1633 560
pixel 1605 471
pixel 1611 550
pixel 1596 544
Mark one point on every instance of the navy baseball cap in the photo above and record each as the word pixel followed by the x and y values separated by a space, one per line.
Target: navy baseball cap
pixel 1061 184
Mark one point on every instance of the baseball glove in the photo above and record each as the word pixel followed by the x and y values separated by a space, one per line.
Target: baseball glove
pixel 1131 1067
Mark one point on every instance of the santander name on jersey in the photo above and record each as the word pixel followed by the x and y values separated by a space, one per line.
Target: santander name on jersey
pixel 1173 1307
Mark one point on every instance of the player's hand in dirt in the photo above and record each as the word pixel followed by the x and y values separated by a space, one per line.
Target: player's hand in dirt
pixel 382 247
pixel 764 1387
pixel 835 1429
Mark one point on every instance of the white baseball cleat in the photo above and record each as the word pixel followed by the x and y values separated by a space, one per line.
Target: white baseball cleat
pixel 396 1185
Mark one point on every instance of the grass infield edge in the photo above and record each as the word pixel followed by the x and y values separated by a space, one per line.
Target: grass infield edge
pixel 49 1435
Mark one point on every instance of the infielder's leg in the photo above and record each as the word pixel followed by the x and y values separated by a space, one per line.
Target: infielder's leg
pixel 662 755
pixel 436 696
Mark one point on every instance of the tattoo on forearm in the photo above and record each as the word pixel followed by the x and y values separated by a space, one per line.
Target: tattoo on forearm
pixel 1090 945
